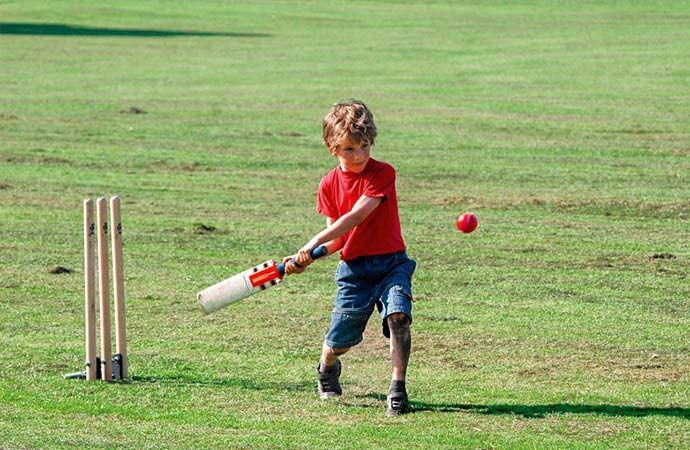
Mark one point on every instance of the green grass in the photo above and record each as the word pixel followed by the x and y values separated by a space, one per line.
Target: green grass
pixel 562 322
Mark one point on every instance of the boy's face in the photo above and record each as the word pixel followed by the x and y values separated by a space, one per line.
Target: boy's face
pixel 353 157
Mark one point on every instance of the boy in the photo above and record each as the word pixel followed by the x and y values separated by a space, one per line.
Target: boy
pixel 358 199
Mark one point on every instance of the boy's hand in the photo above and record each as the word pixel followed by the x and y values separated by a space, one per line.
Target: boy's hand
pixel 291 268
pixel 304 256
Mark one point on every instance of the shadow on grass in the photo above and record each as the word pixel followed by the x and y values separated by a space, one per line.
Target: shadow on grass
pixel 540 411
pixel 56 29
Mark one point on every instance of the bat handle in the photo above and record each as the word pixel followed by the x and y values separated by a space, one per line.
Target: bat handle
pixel 316 253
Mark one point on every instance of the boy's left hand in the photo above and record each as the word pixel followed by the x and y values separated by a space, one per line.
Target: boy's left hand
pixel 291 268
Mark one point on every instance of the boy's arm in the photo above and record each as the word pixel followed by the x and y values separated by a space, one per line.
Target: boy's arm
pixel 336 229
pixel 332 235
pixel 335 244
pixel 332 247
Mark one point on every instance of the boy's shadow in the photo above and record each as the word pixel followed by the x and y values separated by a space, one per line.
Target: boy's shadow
pixel 527 411
pixel 540 411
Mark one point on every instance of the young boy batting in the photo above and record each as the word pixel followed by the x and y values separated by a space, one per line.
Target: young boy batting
pixel 358 199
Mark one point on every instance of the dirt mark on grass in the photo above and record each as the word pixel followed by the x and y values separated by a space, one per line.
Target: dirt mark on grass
pixel 663 256
pixel 200 228
pixel 58 270
pixel 133 110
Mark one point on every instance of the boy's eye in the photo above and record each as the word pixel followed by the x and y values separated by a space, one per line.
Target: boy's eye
pixel 352 149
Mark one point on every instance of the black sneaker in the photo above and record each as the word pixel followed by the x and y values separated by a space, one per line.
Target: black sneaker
pixel 396 404
pixel 329 386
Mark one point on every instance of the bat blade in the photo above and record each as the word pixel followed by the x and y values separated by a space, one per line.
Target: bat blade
pixel 246 283
pixel 239 287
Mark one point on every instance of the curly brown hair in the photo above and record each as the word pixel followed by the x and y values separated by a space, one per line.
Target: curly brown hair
pixel 351 120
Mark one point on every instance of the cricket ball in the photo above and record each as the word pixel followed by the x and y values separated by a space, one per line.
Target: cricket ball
pixel 466 222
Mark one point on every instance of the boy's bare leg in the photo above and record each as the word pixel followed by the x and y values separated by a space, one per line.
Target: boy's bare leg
pixel 400 344
pixel 329 372
pixel 329 355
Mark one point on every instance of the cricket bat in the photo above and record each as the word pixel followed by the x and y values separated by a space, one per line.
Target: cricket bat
pixel 246 283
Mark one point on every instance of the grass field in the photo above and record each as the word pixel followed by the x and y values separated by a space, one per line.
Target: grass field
pixel 562 322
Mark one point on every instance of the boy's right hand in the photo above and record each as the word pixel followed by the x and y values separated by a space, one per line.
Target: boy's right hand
pixel 291 268
pixel 298 262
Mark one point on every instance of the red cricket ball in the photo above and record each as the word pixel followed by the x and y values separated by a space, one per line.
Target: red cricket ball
pixel 466 222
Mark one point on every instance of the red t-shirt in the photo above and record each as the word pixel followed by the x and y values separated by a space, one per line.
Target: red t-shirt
pixel 380 232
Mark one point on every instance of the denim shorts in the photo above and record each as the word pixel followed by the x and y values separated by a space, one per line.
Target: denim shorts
pixel 381 281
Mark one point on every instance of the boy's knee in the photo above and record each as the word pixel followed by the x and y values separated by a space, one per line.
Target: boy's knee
pixel 398 321
pixel 334 352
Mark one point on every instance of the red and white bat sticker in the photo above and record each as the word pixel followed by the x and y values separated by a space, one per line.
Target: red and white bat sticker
pixel 266 274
